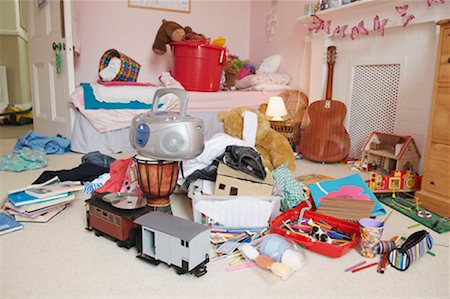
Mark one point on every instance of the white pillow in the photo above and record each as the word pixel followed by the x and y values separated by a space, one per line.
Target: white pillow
pixel 111 71
pixel 270 64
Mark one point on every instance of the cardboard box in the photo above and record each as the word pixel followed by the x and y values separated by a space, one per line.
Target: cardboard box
pixel 237 183
pixel 232 211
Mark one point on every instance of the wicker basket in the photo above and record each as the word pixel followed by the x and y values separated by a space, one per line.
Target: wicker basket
pixel 296 103
pixel 129 68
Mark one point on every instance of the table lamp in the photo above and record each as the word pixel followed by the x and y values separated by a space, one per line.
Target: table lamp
pixel 276 108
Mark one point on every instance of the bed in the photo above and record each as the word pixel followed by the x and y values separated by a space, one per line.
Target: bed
pixel 107 130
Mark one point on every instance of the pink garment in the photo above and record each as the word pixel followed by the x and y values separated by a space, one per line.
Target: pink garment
pixel 124 83
pixel 243 73
pixel 118 171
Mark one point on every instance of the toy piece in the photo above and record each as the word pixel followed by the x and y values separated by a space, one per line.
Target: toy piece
pixel 111 222
pixel 273 147
pixel 169 31
pixel 397 181
pixel 390 152
pixel 180 243
pixel 231 70
pixel 220 41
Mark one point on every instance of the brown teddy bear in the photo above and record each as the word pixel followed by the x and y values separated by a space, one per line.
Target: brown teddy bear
pixel 271 145
pixel 168 31
pixel 231 70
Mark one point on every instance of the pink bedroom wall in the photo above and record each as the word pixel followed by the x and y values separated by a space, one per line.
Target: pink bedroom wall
pixel 288 40
pixel 109 24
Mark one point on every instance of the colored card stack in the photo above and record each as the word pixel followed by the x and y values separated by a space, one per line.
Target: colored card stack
pixel 346 208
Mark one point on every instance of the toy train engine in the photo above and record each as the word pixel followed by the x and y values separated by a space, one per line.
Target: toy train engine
pixel 180 243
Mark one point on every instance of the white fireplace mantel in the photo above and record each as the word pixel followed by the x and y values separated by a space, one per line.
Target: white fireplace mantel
pixel 351 14
pixel 412 47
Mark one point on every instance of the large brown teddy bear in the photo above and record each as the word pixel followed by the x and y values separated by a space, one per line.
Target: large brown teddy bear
pixel 271 145
pixel 169 31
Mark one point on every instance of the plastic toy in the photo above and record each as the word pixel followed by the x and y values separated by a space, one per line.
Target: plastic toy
pixel 389 152
pixel 398 180
pixel 276 254
pixel 180 243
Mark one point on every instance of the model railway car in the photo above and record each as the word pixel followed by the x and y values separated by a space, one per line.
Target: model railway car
pixel 180 243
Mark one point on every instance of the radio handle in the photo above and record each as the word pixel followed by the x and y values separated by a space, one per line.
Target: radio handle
pixel 182 95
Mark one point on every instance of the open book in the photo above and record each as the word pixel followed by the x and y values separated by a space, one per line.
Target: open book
pixel 54 189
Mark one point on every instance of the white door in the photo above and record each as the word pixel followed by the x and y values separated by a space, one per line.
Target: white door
pixel 51 25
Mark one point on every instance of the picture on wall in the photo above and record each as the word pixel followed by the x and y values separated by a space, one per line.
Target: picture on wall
pixel 172 5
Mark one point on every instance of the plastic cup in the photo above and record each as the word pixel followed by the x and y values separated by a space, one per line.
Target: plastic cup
pixel 370 232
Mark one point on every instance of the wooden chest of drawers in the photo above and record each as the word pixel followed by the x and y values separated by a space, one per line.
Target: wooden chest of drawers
pixel 435 193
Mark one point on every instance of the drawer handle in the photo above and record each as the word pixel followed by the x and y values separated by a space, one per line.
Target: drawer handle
pixel 448 60
pixel 432 183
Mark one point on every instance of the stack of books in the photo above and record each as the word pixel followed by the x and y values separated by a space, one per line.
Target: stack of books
pixel 40 203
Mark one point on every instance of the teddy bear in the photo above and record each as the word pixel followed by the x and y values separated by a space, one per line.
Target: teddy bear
pixel 168 31
pixel 273 147
pixel 231 70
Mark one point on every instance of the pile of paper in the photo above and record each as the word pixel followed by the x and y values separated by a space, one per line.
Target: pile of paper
pixel 40 203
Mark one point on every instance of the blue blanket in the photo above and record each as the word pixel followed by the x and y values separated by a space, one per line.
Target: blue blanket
pixel 36 141
pixel 317 190
pixel 91 102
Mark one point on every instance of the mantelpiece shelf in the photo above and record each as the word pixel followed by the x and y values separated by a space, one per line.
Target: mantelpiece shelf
pixel 343 9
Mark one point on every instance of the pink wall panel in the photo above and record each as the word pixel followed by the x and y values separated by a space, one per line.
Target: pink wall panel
pixel 112 24
pixel 288 40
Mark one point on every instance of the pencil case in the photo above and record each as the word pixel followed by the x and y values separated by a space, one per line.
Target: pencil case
pixel 415 246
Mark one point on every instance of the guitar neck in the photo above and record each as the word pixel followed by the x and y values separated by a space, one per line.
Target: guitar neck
pixel 329 90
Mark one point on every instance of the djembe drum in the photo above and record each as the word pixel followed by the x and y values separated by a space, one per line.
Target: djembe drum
pixel 157 179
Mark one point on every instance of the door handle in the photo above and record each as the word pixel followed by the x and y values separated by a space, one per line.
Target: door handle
pixel 56 46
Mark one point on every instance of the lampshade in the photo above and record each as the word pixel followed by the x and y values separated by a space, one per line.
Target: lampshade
pixel 276 108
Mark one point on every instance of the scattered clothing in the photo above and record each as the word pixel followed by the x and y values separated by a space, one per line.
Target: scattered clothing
pixel 90 187
pixel 245 159
pixel 24 159
pixel 85 172
pixel 118 171
pixel 98 158
pixel 214 147
pixel 291 192
pixel 36 141
pixel 208 173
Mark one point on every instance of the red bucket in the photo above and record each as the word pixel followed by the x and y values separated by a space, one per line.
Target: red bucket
pixel 197 66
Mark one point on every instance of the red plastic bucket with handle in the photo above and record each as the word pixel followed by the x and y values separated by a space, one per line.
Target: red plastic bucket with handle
pixel 197 66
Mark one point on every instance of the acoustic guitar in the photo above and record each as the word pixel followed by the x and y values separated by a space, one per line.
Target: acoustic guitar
pixel 325 139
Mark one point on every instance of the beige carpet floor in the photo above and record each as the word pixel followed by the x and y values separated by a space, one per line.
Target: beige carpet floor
pixel 61 259
pixel 14 131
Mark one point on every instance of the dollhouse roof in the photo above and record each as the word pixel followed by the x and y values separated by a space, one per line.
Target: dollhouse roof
pixel 405 138
pixel 175 226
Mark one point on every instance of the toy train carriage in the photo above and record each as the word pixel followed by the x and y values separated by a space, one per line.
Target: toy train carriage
pixel 108 221
pixel 399 180
pixel 180 243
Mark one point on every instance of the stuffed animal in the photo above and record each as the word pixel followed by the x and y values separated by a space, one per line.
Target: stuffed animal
pixel 193 36
pixel 231 70
pixel 168 31
pixel 271 145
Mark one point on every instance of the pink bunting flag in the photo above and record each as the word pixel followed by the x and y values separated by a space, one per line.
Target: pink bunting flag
pixel 362 30
pixel 326 27
pixel 378 26
pixel 343 30
pixel 354 33
pixel 336 31
pixel 402 10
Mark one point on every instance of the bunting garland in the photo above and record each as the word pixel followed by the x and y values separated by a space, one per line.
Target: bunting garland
pixel 318 24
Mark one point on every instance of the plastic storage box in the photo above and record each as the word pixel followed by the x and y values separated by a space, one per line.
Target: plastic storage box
pixel 233 211
pixel 197 66
pixel 330 250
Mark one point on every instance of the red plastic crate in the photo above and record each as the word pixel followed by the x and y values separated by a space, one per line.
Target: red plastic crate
pixel 330 250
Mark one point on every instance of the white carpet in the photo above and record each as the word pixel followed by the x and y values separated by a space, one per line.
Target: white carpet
pixel 61 259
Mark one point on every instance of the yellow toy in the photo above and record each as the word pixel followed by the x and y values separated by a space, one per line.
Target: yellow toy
pixel 220 41
pixel 273 147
